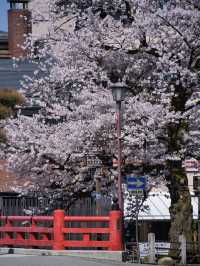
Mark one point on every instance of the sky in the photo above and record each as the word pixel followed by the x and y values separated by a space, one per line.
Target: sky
pixel 3 15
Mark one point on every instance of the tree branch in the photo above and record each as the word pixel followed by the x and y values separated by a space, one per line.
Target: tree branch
pixel 66 21
pixel 193 4
pixel 176 30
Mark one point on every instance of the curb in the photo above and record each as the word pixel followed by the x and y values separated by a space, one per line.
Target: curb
pixel 89 254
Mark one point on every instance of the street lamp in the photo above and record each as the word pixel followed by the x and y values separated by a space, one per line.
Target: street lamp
pixel 118 92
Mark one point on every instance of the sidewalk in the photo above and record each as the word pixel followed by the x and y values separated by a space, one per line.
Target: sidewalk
pixel 116 256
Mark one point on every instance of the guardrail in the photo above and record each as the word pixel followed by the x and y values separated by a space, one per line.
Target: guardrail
pixel 52 231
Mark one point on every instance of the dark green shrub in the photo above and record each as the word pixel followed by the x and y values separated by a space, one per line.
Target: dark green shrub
pixel 11 98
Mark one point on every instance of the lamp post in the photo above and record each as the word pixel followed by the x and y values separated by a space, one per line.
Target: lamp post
pixel 118 93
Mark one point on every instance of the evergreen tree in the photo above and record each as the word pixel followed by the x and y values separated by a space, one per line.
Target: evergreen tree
pixel 9 99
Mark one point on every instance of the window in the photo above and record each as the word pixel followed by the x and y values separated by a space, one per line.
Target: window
pixel 18 5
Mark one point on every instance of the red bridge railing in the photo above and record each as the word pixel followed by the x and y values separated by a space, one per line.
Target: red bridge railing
pixel 54 232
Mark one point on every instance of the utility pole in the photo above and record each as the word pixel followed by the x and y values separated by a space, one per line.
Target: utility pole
pixel 198 191
pixel 196 188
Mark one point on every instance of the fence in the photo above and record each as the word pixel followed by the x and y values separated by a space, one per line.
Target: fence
pixel 185 252
pixel 15 205
pixel 53 231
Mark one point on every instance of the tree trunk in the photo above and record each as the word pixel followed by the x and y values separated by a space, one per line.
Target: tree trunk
pixel 181 207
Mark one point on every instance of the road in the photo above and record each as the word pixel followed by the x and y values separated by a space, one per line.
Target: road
pixel 20 260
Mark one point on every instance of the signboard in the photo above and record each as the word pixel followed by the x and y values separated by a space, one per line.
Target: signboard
pixel 161 248
pixel 136 183
pixel 191 165
pixel 115 162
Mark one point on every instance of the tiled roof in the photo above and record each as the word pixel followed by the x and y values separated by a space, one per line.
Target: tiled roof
pixel 4 54
pixel 10 76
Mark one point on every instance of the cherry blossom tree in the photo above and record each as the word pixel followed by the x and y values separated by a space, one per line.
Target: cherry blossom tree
pixel 150 46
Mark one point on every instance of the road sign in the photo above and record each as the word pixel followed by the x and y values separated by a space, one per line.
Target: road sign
pixel 136 183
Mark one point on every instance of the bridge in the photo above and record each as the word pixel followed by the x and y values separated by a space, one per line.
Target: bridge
pixel 59 232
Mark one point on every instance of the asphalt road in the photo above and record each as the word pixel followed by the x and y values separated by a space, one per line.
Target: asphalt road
pixel 20 260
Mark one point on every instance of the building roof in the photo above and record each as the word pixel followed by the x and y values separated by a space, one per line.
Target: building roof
pixel 159 203
pixel 10 75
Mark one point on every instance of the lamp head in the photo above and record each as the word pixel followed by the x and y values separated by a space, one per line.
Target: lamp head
pixel 118 92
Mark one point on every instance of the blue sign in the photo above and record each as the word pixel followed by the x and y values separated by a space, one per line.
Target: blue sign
pixel 136 183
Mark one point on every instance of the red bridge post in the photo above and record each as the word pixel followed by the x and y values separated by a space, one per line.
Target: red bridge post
pixel 116 241
pixel 58 225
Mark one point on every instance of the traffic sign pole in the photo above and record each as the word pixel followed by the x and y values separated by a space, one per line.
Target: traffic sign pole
pixel 136 185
